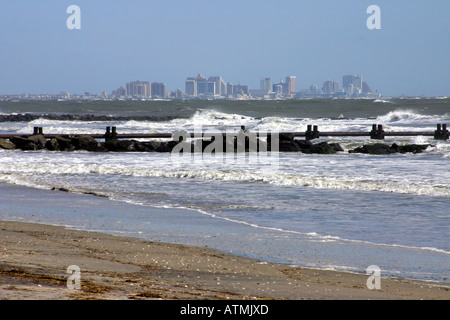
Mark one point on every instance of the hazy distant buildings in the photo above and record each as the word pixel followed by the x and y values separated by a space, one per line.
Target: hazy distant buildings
pixel 314 89
pixel 266 85
pixel 139 89
pixel 213 87
pixel 230 89
pixel 330 87
pixel 121 92
pixel 291 85
pixel 158 90
pixel 352 85
pixel 366 90
pixel 220 87
pixel 191 87
pixel 200 86
pixel 240 89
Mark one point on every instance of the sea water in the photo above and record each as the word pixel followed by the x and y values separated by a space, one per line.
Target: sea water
pixel 344 211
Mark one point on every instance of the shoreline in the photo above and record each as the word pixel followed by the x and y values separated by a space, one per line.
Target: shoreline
pixel 119 264
pixel 35 258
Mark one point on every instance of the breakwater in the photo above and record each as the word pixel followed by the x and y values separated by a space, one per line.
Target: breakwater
pixel 267 141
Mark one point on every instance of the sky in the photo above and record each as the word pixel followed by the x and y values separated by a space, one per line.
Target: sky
pixel 240 40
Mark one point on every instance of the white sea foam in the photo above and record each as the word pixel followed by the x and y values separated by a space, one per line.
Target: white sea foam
pixel 381 101
pixel 399 120
pixel 407 117
pixel 320 179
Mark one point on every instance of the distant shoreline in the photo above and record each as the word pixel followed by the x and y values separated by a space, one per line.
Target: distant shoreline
pixel 25 117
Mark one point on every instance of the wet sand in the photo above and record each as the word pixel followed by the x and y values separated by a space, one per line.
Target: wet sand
pixel 34 260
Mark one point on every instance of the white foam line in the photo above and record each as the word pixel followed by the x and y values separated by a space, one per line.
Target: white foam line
pixel 310 234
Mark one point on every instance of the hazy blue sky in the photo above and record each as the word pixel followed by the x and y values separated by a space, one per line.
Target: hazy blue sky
pixel 241 40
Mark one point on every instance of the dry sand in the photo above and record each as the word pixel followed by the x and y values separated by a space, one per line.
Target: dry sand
pixel 35 257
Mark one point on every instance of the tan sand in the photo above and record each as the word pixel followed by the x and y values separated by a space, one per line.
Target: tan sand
pixel 35 257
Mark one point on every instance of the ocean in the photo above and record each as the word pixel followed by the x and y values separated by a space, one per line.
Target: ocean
pixel 343 211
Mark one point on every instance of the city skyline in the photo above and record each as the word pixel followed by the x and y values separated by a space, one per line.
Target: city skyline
pixel 214 87
pixel 241 41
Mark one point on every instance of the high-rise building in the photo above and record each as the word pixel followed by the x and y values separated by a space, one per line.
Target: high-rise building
pixel 196 86
pixel 266 84
pixel 278 88
pixel 220 85
pixel 230 88
pixel 291 85
pixel 191 87
pixel 314 89
pixel 158 90
pixel 139 89
pixel 202 87
pixel 355 80
pixel 327 87
pixel 366 88
pixel 240 89
pixel 330 87
pixel 199 86
pixel 121 92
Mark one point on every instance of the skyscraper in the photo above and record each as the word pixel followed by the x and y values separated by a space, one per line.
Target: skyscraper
pixel 291 85
pixel 158 90
pixel 220 87
pixel 330 87
pixel 230 89
pixel 139 89
pixel 266 84
pixel 121 92
pixel 355 80
pixel 240 89
pixel 199 86
pixel 191 87
pixel 366 88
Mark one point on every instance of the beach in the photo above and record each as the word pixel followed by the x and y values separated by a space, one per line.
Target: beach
pixel 35 257
pixel 148 225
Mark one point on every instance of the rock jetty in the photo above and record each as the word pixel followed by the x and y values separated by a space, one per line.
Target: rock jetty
pixel 287 143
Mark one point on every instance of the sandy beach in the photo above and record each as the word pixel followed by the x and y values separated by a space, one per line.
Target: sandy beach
pixel 35 258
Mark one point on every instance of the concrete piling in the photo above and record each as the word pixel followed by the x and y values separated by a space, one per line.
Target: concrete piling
pixel 311 134
pixel 441 132
pixel 377 132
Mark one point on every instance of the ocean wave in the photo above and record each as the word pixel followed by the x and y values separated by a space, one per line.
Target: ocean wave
pixel 381 101
pixel 341 182
pixel 407 117
pixel 203 119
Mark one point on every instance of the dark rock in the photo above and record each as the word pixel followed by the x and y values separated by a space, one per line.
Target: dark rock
pixel 289 146
pixel 321 148
pixel 286 137
pixel 85 143
pixel 6 144
pixel 39 141
pixel 304 144
pixel 65 143
pixel 120 145
pixel 153 145
pixel 88 117
pixel 414 148
pixel 377 148
pixel 24 143
pixel 141 147
pixel 336 146
pixel 380 148
pixel 166 146
pixel 52 145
